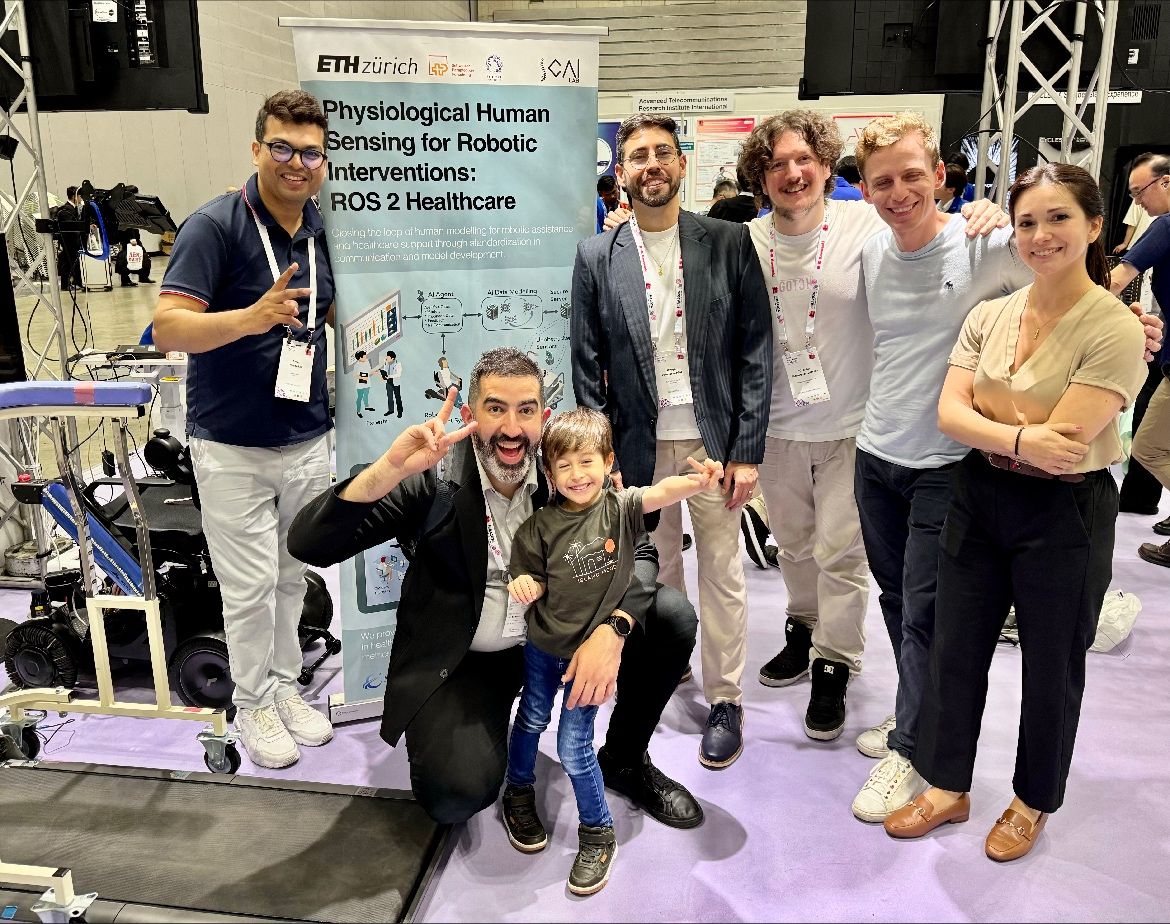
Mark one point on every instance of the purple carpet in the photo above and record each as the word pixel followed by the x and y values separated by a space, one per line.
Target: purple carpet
pixel 779 841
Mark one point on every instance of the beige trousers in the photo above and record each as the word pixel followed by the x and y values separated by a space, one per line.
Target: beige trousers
pixel 1151 445
pixel 722 594
pixel 808 488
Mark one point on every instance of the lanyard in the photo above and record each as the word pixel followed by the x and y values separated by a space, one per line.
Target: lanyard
pixel 493 540
pixel 275 267
pixel 679 301
pixel 774 282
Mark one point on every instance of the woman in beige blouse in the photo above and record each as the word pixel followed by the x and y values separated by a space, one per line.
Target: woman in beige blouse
pixel 1036 383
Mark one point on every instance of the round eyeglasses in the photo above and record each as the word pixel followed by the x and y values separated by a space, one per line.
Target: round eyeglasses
pixel 282 152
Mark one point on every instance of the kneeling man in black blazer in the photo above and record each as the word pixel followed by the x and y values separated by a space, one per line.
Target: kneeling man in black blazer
pixel 456 663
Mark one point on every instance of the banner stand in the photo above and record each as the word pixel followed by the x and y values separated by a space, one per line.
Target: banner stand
pixel 461 177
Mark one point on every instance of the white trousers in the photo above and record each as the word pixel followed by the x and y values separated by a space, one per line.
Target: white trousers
pixel 250 496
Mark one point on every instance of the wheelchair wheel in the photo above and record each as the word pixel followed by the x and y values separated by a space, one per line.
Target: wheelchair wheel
pixel 200 674
pixel 317 613
pixel 41 653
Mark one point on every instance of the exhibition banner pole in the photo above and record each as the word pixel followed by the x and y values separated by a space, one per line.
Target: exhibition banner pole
pixel 461 177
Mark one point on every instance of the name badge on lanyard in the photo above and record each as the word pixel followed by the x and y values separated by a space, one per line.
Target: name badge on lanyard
pixel 516 619
pixel 294 374
pixel 671 371
pixel 806 375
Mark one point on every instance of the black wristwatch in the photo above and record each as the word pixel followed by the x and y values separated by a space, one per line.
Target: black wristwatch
pixel 619 625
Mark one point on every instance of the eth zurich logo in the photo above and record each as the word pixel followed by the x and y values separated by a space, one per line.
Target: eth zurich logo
pixel 568 70
pixel 495 68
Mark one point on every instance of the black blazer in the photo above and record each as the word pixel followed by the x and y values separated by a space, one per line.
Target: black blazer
pixel 443 590
pixel 729 340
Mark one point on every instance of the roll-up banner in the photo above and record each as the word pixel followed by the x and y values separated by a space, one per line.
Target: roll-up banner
pixel 459 183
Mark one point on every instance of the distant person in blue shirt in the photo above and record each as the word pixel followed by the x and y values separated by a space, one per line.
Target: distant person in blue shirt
pixel 959 159
pixel 847 182
pixel 951 198
pixel 609 197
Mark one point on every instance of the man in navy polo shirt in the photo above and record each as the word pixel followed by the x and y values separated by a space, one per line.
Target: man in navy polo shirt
pixel 1149 185
pixel 247 293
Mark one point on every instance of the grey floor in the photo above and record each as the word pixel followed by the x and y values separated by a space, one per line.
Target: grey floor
pixel 779 842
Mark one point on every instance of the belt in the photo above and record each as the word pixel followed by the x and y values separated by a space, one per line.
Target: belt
pixel 1008 464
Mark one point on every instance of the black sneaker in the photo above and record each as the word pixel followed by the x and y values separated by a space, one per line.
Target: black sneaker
pixel 792 663
pixel 594 860
pixel 826 708
pixel 521 821
pixel 755 535
pixel 723 737
pixel 651 790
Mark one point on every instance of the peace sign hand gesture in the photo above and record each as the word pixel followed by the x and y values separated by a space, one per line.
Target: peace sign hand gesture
pixel 416 449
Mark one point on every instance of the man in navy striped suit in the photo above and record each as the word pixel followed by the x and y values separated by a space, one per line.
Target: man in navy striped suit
pixel 672 340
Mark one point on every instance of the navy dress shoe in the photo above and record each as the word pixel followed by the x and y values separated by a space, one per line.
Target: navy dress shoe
pixel 660 797
pixel 1162 527
pixel 723 737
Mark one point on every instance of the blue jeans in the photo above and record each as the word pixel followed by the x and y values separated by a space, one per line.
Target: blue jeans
pixel 902 513
pixel 542 677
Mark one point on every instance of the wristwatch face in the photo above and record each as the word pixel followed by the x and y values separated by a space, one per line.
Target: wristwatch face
pixel 620 626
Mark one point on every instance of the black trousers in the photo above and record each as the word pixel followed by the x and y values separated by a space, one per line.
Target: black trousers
pixel 457 743
pixel 1140 490
pixel 1047 546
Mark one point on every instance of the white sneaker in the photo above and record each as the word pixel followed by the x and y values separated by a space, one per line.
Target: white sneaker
pixel 265 738
pixel 306 725
pixel 891 784
pixel 872 743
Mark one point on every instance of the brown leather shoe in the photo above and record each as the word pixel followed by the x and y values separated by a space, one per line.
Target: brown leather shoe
pixel 1155 554
pixel 1013 835
pixel 919 817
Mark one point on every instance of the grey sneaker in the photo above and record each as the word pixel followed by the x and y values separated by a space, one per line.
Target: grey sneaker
pixel 594 860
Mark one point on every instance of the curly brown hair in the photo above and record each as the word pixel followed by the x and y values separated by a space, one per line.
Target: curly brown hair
pixel 818 131
pixel 579 430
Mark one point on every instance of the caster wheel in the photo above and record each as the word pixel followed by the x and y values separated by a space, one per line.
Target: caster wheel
pixel 305 678
pixel 30 743
pixel 231 761
pixel 333 646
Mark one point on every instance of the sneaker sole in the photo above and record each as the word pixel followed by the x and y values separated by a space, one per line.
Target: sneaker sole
pixel 780 682
pixel 818 735
pixel 589 890
pixel 310 742
pixel 271 765
pixel 873 752
pixel 754 549
pixel 526 848
pixel 872 818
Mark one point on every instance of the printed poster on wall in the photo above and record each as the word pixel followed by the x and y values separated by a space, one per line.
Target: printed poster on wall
pixel 717 145
pixel 459 184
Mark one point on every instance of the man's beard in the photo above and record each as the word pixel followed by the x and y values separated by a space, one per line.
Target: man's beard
pixel 505 474
pixel 672 187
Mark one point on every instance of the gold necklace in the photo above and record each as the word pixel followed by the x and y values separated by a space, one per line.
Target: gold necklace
pixel 1036 334
pixel 661 264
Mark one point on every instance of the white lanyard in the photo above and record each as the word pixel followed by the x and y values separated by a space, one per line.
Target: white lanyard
pixel 493 541
pixel 679 301
pixel 774 283
pixel 275 267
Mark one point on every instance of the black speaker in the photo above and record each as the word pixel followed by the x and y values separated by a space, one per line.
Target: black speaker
pixel 11 352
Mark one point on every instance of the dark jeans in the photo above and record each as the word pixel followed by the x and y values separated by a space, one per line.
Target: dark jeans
pixel 457 742
pixel 1140 490
pixel 902 512
pixel 542 679
pixel 1047 545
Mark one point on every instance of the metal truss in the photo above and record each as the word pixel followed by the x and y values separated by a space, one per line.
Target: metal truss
pixel 20 450
pixel 1000 112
